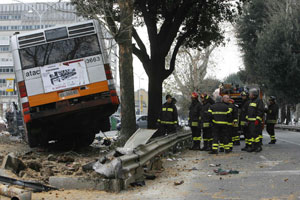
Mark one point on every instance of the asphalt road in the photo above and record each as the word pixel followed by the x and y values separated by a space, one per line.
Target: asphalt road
pixel 273 173
pixel 270 174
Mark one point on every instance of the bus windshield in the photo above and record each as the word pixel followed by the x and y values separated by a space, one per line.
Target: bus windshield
pixel 59 51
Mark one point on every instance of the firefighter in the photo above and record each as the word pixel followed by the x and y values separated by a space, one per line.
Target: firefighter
pixel 235 125
pixel 168 117
pixel 243 120
pixel 255 113
pixel 220 117
pixel 206 124
pixel 227 101
pixel 207 97
pixel 272 116
pixel 194 121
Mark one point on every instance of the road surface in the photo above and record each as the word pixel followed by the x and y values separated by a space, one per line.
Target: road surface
pixel 273 173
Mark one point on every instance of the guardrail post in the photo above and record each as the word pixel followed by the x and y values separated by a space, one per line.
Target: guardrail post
pixel 157 163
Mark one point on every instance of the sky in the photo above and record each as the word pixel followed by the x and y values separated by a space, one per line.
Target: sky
pixel 227 58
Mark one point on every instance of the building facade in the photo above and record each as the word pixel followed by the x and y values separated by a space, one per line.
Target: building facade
pixel 141 102
pixel 21 17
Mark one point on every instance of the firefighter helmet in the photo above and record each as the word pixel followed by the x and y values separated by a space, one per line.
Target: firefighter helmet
pixel 168 96
pixel 253 91
pixel 272 98
pixel 244 93
pixel 194 95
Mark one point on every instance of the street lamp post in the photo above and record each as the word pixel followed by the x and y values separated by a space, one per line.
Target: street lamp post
pixel 39 14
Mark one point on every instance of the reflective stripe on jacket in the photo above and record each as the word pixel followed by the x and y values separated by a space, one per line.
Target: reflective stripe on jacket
pixel 168 114
pixel 220 113
pixel 255 110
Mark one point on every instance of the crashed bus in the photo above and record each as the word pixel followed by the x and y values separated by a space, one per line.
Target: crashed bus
pixel 65 83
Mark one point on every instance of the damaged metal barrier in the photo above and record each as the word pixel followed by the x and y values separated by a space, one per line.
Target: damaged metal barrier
pixel 37 187
pixel 14 193
pixel 129 167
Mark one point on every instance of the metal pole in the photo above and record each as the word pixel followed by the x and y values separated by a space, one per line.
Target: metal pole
pixel 140 95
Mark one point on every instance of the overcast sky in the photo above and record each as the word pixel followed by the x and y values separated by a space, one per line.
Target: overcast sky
pixel 228 59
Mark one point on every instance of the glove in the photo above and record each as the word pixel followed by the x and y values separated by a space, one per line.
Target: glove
pixel 256 122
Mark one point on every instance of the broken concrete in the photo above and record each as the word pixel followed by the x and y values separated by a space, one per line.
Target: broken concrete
pixel 35 165
pixel 78 183
pixel 12 163
pixel 109 169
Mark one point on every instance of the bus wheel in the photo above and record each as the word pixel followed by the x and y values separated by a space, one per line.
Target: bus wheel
pixel 85 139
pixel 32 137
pixel 105 125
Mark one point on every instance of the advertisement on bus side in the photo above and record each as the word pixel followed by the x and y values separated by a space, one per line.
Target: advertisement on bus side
pixel 58 76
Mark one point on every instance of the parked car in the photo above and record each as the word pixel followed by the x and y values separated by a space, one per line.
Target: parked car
pixel 141 122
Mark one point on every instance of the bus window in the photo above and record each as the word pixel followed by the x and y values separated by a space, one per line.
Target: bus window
pixel 59 51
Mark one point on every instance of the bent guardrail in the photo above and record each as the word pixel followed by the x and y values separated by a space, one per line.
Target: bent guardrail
pixel 132 164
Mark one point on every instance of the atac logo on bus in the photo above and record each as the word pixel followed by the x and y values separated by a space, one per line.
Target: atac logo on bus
pixel 32 73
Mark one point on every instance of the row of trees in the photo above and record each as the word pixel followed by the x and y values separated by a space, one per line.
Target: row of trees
pixel 269 32
pixel 170 25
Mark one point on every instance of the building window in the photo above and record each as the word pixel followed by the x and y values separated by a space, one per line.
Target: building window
pixel 6 70
pixel 4 93
pixel 2 82
pixel 4 48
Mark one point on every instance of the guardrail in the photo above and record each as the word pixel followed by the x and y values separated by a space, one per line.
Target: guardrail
pixel 288 127
pixel 132 164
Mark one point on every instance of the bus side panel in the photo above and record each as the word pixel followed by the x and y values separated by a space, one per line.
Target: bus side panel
pixel 51 97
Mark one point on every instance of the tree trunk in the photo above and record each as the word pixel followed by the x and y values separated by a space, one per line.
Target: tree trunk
pixel 283 114
pixel 126 71
pixel 288 115
pixel 155 101
pixel 156 79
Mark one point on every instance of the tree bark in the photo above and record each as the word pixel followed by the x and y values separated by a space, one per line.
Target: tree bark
pixel 155 101
pixel 155 90
pixel 126 71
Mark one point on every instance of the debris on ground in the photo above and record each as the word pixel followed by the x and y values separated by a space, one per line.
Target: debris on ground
pixel 14 192
pixel 178 182
pixel 138 183
pixel 37 187
pixel 221 171
pixel 11 162
pixel 149 176
pixel 214 165
pixel 108 169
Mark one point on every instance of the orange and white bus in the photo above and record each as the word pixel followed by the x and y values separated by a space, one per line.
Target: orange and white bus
pixel 65 83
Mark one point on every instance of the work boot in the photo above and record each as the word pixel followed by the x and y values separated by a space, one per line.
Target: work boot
pixel 227 150
pixel 247 146
pixel 258 148
pixel 209 146
pixel 272 142
pixel 221 150
pixel 204 148
pixel 198 145
pixel 213 152
pixel 252 147
pixel 193 147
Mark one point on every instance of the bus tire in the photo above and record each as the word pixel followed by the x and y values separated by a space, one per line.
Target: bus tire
pixel 85 139
pixel 32 138
pixel 105 125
